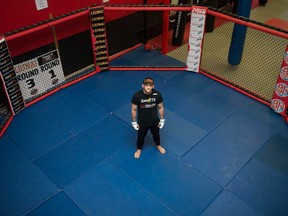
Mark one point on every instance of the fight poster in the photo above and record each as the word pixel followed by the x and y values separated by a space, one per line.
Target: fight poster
pixel 197 27
pixel 279 101
pixel 38 75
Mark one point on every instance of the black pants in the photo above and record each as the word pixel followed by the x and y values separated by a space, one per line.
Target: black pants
pixel 143 131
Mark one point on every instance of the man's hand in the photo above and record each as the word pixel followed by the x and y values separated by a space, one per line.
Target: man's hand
pixel 161 123
pixel 135 125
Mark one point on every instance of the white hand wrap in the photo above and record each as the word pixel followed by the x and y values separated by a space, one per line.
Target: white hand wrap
pixel 161 123
pixel 135 125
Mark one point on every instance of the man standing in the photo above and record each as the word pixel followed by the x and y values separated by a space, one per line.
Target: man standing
pixel 148 104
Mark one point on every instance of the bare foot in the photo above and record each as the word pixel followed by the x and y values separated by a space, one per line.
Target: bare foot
pixel 161 149
pixel 137 153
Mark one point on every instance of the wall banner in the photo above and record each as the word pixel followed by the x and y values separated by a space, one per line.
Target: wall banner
pixel 197 27
pixel 9 79
pixel 98 30
pixel 39 75
pixel 279 101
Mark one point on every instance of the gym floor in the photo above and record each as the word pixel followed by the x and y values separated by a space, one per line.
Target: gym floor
pixel 72 153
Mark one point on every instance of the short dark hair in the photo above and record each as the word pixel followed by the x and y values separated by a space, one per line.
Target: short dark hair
pixel 148 80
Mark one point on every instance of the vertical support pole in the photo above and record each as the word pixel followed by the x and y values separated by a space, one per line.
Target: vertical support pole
pixel 165 29
pixel 145 24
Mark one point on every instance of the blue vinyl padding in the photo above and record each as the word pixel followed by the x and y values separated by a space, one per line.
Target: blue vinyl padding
pixel 182 88
pixel 169 74
pixel 142 57
pixel 97 81
pixel 179 139
pixel 228 204
pixel 174 183
pixel 222 153
pixel 263 187
pixel 74 157
pixel 74 111
pixel 263 114
pixel 122 61
pixel 36 132
pixel 22 184
pixel 237 162
pixel 113 193
pixel 275 153
pixel 211 106
pixel 58 205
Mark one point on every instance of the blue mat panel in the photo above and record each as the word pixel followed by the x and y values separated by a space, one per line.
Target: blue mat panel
pixel 60 204
pixel 263 114
pixel 23 186
pixel 142 57
pixel 211 106
pixel 179 139
pixel 228 204
pixel 74 111
pixel 169 74
pixel 36 132
pixel 120 92
pixel 182 88
pixel 74 157
pixel 275 153
pixel 124 113
pixel 113 193
pixel 262 187
pixel 96 81
pixel 171 181
pixel 168 61
pixel 222 153
pixel 122 61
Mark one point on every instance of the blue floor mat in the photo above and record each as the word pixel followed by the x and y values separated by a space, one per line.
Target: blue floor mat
pixel 182 88
pixel 222 153
pixel 210 107
pixel 275 153
pixel 74 157
pixel 228 204
pixel 23 186
pixel 96 81
pixel 263 114
pixel 113 193
pixel 74 152
pixel 142 57
pixel 60 204
pixel 36 132
pixel 179 139
pixel 262 187
pixel 74 111
pixel 174 183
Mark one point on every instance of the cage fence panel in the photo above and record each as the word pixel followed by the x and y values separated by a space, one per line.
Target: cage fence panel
pixel 53 56
pixel 259 67
pixel 63 50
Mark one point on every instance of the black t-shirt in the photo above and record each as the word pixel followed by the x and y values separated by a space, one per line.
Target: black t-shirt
pixel 147 105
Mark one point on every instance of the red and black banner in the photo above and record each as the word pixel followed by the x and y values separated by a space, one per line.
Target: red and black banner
pixel 8 76
pixel 99 37
pixel 279 101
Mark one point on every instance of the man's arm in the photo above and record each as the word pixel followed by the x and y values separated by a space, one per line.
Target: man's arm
pixel 134 112
pixel 161 110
